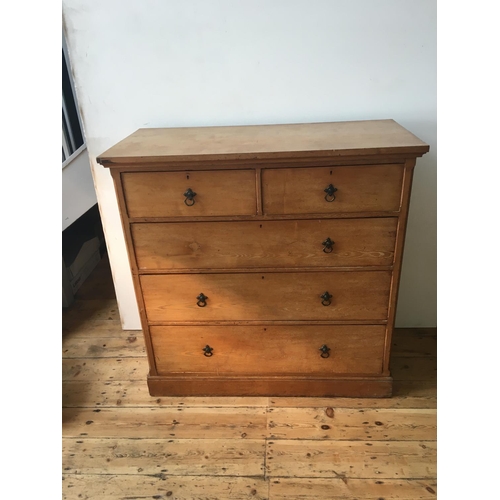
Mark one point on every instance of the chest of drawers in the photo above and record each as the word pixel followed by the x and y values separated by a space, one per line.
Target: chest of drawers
pixel 266 259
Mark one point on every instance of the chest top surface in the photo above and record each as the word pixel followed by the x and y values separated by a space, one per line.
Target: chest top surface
pixel 260 142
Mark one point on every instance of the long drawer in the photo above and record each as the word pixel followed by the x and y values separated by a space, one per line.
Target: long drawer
pixel 370 188
pixel 212 193
pixel 265 350
pixel 278 244
pixel 267 296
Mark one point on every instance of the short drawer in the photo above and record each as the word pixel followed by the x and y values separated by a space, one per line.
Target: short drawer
pixel 372 188
pixel 268 350
pixel 278 244
pixel 267 296
pixel 165 194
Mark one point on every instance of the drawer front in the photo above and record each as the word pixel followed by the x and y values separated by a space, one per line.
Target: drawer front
pixel 162 194
pixel 259 350
pixel 219 245
pixel 373 188
pixel 267 296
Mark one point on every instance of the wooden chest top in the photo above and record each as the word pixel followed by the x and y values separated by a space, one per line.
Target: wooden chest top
pixel 264 142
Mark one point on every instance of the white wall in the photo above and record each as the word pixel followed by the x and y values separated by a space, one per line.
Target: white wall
pixel 154 63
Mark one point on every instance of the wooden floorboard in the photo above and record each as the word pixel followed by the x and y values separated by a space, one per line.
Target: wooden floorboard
pixel 163 487
pixel 121 443
pixel 131 346
pixel 400 424
pixel 134 394
pixel 180 457
pixel 186 423
pixel 351 459
pixel 360 489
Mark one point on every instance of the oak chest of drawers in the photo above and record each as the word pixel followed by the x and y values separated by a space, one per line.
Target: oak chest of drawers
pixel 266 259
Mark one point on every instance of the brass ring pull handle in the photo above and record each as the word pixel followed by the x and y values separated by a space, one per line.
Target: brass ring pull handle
pixel 189 194
pixel 325 351
pixel 202 300
pixel 328 244
pixel 208 351
pixel 329 190
pixel 326 299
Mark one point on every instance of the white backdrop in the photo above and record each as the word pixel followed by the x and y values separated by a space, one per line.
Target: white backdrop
pixel 154 63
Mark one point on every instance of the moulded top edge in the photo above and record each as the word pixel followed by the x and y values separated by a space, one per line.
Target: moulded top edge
pixel 261 142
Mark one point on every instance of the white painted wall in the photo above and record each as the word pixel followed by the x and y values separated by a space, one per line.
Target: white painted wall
pixel 158 63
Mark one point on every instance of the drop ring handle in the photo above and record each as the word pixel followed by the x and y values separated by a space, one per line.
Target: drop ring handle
pixel 208 351
pixel 328 245
pixel 189 194
pixel 325 351
pixel 202 300
pixel 330 190
pixel 326 299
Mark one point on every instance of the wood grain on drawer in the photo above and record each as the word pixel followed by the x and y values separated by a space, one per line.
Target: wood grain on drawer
pixel 218 192
pixel 255 350
pixel 220 245
pixel 371 188
pixel 267 296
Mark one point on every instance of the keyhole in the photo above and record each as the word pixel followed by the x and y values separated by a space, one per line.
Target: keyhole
pixel 187 176
pixel 331 172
